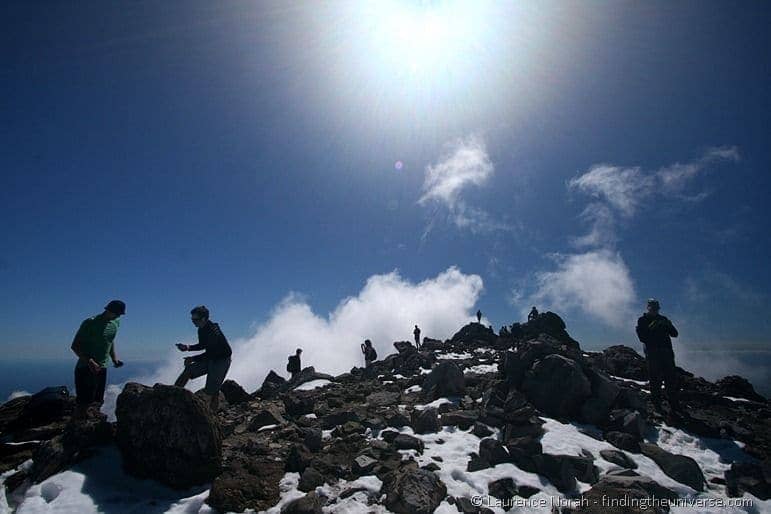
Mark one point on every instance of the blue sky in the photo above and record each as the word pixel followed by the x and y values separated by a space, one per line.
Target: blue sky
pixel 582 157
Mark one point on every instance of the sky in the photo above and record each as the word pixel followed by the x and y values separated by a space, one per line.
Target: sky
pixel 317 174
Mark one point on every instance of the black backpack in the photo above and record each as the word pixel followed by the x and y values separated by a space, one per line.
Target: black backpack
pixel 371 353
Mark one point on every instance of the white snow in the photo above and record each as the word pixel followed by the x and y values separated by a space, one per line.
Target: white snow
pixel 638 382
pixel 354 504
pixel 311 416
pixel 313 384
pixel 482 368
pixel 435 404
pixel 452 355
pixel 266 427
pixel 413 389
pixel 735 399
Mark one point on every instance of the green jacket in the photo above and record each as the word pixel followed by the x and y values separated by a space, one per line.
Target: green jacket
pixel 95 337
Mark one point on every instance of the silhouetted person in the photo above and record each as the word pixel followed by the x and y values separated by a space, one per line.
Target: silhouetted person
pixel 655 330
pixel 293 365
pixel 416 333
pixel 479 316
pixel 214 362
pixel 370 356
pixel 94 343
pixel 533 314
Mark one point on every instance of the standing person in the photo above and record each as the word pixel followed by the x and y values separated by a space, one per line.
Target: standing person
pixel 214 362
pixel 654 331
pixel 479 316
pixel 94 343
pixel 370 356
pixel 293 366
pixel 533 314
pixel 416 333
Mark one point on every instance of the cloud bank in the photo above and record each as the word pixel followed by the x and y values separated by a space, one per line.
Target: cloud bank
pixel 385 310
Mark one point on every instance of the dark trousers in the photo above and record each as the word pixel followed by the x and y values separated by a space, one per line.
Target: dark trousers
pixel 661 368
pixel 89 386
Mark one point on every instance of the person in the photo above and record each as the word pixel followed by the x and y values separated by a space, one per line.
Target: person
pixel 214 362
pixel 533 314
pixel 293 366
pixel 416 333
pixel 655 331
pixel 479 316
pixel 370 356
pixel 94 344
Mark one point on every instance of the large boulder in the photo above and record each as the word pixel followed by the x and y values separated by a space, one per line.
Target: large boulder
pixel 563 470
pixel 475 334
pixel 751 477
pixel 410 490
pixel 425 421
pixel 557 386
pixel 612 495
pixel 168 434
pixel 24 413
pixel 446 379
pixel 547 323
pixel 678 467
pixel 247 483
pixel 623 361
pixel 234 393
pixel 738 387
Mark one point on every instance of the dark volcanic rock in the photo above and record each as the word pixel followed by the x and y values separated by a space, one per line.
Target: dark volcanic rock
pixel 446 379
pixel 557 386
pixel 407 442
pixel 738 387
pixel 234 393
pixel 266 417
pixel 751 477
pixel 475 334
pixel 622 489
pixel 308 504
pixel 299 403
pixel 463 419
pixel 298 459
pixel 492 451
pixel 247 484
pixel 310 479
pixel 618 458
pixel 412 491
pixel 425 421
pixel 564 470
pixel 503 489
pixel 167 434
pixel 622 361
pixel 25 413
pixel 623 441
pixel 678 467
pixel 547 323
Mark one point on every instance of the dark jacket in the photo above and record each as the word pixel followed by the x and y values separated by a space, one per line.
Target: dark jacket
pixel 656 330
pixel 213 342
pixel 369 353
pixel 293 366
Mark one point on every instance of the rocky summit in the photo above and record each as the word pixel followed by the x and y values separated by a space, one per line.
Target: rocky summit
pixel 462 425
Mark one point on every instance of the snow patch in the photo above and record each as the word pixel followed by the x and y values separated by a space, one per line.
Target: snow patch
pixel 313 384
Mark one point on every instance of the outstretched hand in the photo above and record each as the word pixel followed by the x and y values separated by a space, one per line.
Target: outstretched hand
pixel 181 347
pixel 117 363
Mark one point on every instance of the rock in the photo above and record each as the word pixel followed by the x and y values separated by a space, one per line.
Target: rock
pixel 557 386
pixel 481 430
pixel 466 506
pixel 629 422
pixel 463 419
pixel 412 491
pixel 522 450
pixel 618 458
pixel 247 484
pixel 407 442
pixel 363 465
pixel 298 459
pixel 563 470
pixel 234 393
pixel 492 451
pixel 310 480
pixel 446 379
pixel 621 489
pixel 167 434
pixel 622 361
pixel 52 404
pixel 623 441
pixel 308 504
pixel 678 467
pixel 503 489
pixel 477 463
pixel 405 347
pixel 425 421
pixel 738 387
pixel 299 403
pixel 312 439
pixel 751 477
pixel 474 335
pixel 272 385
pixel 266 417
pixel 382 398
pixel 339 417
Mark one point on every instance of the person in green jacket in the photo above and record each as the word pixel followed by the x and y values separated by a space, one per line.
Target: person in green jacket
pixel 94 344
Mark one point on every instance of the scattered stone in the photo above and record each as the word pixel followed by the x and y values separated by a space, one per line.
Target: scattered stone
pixel 425 421
pixel 412 491
pixel 446 379
pixel 310 480
pixel 678 467
pixel 618 458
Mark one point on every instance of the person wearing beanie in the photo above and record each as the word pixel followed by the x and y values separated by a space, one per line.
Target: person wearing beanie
pixel 94 344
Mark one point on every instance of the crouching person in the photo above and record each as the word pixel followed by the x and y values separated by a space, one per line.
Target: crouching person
pixel 214 362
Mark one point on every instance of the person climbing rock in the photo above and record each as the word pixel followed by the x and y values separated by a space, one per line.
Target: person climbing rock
pixel 94 344
pixel 416 333
pixel 214 362
pixel 655 332
pixel 293 365
pixel 533 314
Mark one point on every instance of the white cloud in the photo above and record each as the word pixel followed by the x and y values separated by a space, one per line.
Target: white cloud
pixel 466 164
pixel 622 188
pixel 385 310
pixel 597 283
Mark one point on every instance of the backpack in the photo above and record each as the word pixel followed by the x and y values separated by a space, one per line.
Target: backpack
pixel 371 354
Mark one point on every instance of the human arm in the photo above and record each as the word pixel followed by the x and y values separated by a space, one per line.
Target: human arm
pixel 642 330
pixel 77 348
pixel 671 328
pixel 115 360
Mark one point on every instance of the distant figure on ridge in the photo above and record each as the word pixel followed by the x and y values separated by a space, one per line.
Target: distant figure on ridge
pixel 533 314
pixel 214 362
pixel 94 343
pixel 370 356
pixel 654 331
pixel 416 333
pixel 479 316
pixel 293 365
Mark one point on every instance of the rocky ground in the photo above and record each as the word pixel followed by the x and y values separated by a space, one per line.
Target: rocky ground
pixel 482 422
